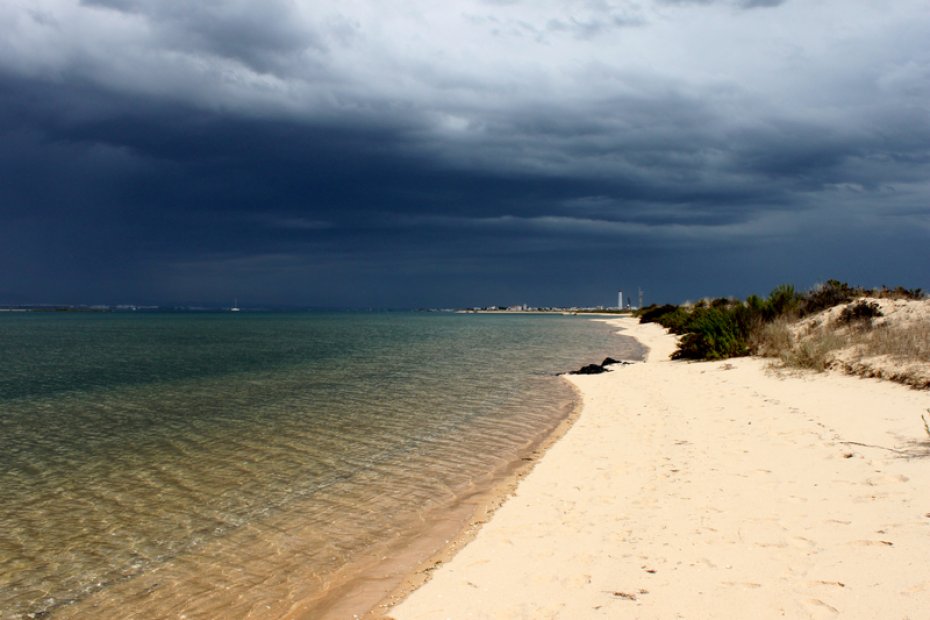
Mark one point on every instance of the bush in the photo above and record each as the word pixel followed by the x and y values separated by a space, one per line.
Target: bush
pixel 719 328
pixel 757 305
pixel 827 295
pixel 898 292
pixel 749 318
pixel 859 314
pixel 783 301
pixel 675 320
pixel 711 334
pixel 651 314
pixel 672 318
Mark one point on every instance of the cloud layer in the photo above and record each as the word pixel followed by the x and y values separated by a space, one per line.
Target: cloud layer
pixel 359 153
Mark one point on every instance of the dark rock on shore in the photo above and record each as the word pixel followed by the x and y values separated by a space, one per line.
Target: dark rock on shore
pixel 609 361
pixel 596 369
pixel 590 369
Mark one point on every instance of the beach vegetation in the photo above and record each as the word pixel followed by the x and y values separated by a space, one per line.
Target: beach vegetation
pixel 911 342
pixel 813 353
pixel 833 325
pixel 898 292
pixel 783 301
pixel 827 295
pixel 672 318
pixel 771 338
pixel 711 334
pixel 651 313
pixel 859 314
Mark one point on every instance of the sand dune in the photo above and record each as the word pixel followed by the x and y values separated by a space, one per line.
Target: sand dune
pixel 710 490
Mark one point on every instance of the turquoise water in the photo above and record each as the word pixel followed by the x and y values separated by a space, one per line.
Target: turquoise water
pixel 164 461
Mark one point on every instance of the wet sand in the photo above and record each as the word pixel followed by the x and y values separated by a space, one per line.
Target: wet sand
pixel 709 490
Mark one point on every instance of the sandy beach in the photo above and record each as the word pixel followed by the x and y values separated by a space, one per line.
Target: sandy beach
pixel 709 490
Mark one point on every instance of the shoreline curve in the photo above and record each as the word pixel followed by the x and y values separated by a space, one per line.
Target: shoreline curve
pixel 712 489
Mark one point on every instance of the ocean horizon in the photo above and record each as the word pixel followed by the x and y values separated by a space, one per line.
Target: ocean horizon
pixel 240 462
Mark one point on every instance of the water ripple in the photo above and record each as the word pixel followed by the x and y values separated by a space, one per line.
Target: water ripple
pixel 200 464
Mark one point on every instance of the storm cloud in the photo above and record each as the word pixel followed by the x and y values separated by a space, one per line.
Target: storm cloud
pixel 482 152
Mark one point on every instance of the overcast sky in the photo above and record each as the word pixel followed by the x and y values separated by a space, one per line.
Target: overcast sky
pixel 423 153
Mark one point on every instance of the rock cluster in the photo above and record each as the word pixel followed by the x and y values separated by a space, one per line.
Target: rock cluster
pixel 596 369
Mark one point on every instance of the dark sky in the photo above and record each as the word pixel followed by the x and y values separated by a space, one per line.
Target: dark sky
pixel 366 153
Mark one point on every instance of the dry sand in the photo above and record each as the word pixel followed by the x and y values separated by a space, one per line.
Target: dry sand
pixel 709 490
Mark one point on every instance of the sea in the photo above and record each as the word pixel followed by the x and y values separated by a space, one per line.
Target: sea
pixel 244 465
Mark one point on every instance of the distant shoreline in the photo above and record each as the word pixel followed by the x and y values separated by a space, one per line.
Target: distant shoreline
pixel 561 311
pixel 169 309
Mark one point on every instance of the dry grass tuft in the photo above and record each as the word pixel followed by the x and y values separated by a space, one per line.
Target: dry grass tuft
pixel 911 342
pixel 814 352
pixel 891 348
pixel 772 339
pixel 811 351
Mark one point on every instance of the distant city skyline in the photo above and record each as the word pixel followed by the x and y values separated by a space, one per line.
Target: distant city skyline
pixel 459 154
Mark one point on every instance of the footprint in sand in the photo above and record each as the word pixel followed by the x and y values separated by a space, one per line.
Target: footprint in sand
pixel 749 585
pixel 819 609
pixel 872 543
pixel 886 479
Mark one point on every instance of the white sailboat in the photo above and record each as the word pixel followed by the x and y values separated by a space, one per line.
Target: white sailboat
pixel 235 306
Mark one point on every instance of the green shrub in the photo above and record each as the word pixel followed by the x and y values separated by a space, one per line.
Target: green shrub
pixel 651 314
pixel 757 305
pixel 711 334
pixel 749 317
pixel 675 321
pixel 782 301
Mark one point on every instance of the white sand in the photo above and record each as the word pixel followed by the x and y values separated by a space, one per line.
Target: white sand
pixel 710 490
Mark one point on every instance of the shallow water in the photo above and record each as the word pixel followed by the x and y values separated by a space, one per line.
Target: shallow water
pixel 192 463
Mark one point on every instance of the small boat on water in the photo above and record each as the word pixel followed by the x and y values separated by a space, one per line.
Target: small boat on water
pixel 235 306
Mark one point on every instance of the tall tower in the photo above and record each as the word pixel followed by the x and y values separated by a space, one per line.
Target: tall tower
pixel 619 300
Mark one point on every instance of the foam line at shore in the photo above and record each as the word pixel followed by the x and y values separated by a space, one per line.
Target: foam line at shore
pixel 709 490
